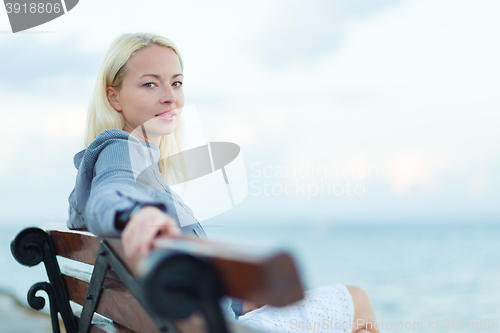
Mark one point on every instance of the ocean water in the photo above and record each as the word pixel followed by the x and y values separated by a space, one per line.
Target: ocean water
pixel 437 277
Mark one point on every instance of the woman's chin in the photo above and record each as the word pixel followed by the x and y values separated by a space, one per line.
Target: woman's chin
pixel 158 127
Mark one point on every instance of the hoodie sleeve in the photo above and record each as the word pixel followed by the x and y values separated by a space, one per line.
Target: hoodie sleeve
pixel 107 161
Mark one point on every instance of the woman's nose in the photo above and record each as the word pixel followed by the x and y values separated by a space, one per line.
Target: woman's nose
pixel 168 95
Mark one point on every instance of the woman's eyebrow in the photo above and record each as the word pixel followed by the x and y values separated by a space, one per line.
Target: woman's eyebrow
pixel 155 75
pixel 158 76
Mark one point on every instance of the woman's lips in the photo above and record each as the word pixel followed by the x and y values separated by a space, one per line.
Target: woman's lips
pixel 167 115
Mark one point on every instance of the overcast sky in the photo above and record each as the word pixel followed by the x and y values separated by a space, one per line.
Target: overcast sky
pixel 362 110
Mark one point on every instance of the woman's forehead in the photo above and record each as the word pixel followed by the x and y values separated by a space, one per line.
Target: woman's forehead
pixel 159 60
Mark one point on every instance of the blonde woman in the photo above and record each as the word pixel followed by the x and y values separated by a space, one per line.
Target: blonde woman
pixel 133 124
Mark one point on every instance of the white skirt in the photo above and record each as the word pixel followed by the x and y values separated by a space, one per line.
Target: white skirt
pixel 324 309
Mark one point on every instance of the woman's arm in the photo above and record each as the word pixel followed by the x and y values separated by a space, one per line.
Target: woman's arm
pixel 113 189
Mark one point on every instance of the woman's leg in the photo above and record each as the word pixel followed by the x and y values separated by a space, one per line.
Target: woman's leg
pixel 364 316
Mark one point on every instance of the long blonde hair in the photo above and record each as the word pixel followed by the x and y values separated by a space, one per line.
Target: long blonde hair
pixel 102 116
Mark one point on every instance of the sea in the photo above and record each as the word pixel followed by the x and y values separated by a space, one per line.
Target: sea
pixel 427 276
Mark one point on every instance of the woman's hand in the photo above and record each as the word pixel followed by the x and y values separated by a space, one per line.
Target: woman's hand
pixel 147 224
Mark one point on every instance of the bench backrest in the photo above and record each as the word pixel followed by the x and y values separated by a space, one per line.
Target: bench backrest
pixel 111 291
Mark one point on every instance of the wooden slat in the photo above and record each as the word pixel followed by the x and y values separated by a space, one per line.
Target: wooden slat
pixel 116 302
pixel 104 325
pixel 273 281
pixel 79 246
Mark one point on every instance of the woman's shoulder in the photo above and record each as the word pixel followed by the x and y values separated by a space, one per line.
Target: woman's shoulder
pixel 119 138
pixel 115 147
pixel 116 143
pixel 111 135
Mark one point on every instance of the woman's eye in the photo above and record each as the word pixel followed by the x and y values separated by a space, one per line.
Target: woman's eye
pixel 177 84
pixel 147 84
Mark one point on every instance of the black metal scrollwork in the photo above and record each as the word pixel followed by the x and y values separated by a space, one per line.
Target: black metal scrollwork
pixel 27 246
pixel 30 247
pixel 38 303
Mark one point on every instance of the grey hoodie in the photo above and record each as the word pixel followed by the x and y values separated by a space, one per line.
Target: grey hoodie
pixel 116 171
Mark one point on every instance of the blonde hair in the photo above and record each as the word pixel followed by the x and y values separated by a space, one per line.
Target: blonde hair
pixel 102 116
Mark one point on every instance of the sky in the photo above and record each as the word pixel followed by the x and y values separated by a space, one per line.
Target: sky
pixel 345 111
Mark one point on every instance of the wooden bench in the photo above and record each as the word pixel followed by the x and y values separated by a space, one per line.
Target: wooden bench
pixel 177 289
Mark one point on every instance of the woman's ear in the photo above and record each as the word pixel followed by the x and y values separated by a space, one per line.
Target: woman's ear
pixel 113 98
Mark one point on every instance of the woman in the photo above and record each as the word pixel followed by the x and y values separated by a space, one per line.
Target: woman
pixel 133 124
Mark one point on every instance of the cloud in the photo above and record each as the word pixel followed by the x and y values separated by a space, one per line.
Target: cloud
pixel 304 31
pixel 409 169
pixel 28 60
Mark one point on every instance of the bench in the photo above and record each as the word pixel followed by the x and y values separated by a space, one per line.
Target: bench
pixel 176 290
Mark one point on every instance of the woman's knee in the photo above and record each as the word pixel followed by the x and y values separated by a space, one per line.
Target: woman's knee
pixel 364 316
pixel 359 296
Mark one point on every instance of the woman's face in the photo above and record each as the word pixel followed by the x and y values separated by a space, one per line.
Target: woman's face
pixel 151 93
